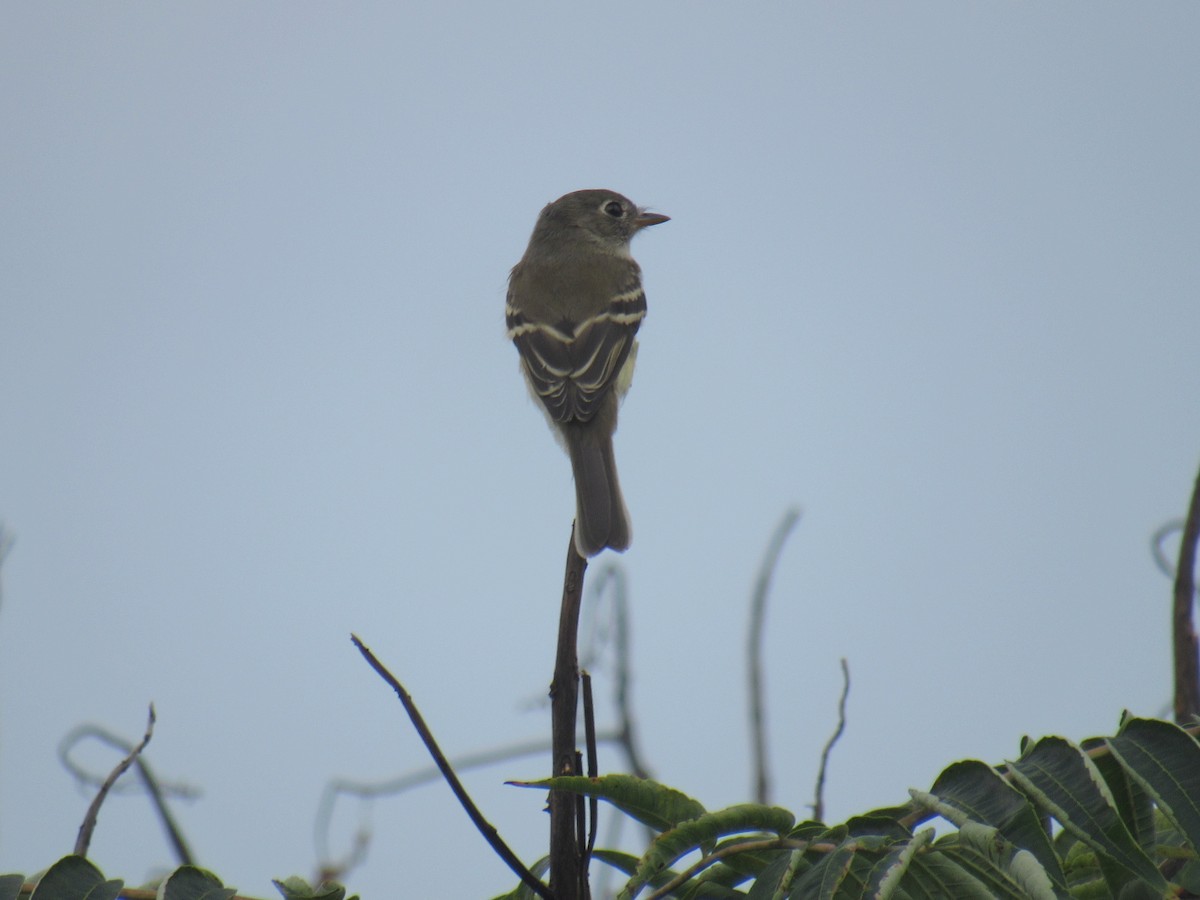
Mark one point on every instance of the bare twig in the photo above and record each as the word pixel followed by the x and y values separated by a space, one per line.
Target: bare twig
pixel 1187 672
pixel 612 574
pixel 819 794
pixel 484 827
pixel 336 870
pixel 758 610
pixel 66 747
pixel 157 789
pixel 371 790
pixel 84 840
pixel 1161 559
pixel 568 878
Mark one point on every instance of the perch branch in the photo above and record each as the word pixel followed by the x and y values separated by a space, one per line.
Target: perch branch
pixel 568 878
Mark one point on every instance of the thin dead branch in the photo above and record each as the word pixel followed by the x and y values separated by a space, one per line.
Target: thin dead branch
pixel 819 794
pixel 156 789
pixel 84 840
pixel 481 824
pixel 758 614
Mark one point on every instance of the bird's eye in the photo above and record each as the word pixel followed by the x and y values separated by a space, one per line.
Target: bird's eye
pixel 614 209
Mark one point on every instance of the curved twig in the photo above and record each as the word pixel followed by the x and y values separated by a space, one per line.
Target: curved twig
pixel 84 840
pixel 758 614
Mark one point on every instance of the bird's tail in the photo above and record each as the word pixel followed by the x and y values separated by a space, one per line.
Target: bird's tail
pixel 601 519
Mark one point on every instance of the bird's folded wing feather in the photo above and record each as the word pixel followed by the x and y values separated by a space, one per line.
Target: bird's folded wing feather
pixel 572 371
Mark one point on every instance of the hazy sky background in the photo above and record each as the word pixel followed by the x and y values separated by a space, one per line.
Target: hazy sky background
pixel 931 275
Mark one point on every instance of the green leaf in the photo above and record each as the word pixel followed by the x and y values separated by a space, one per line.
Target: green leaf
pixel 1165 760
pixel 193 883
pixel 651 803
pixel 776 879
pixel 745 864
pixel 940 875
pixel 878 826
pixel 813 831
pixel 992 859
pixel 10 886
pixel 694 834
pixel 888 873
pixel 977 789
pixel 709 890
pixel 824 879
pixel 522 891
pixel 1063 781
pixel 75 878
pixel 296 888
pixel 1133 803
pixel 1080 866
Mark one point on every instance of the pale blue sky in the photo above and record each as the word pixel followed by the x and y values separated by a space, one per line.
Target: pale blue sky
pixel 931 274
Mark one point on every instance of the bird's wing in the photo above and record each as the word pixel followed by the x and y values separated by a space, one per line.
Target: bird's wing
pixel 572 370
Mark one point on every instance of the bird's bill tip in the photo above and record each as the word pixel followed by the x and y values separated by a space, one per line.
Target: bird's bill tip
pixel 646 219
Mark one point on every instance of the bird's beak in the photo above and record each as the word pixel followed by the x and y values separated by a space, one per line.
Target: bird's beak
pixel 645 219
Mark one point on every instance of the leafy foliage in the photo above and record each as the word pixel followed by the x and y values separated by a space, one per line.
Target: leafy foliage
pixel 1119 819
pixel 75 878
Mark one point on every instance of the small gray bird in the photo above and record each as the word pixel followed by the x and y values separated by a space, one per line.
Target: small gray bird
pixel 575 302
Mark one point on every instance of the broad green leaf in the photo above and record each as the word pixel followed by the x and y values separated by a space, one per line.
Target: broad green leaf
pixel 776 879
pixel 1079 865
pixel 868 852
pixel 981 865
pixel 708 891
pixel 651 803
pixel 1165 760
pixel 718 880
pixel 1133 803
pixel 747 864
pixel 825 878
pixel 696 833
pixel 10 886
pixel 193 883
pixel 877 826
pixel 296 888
pixel 977 789
pixel 817 831
pixel 75 878
pixel 521 891
pixel 888 872
pixel 936 874
pixel 1018 867
pixel 1064 782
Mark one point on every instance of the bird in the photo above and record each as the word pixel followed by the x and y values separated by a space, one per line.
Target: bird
pixel 573 308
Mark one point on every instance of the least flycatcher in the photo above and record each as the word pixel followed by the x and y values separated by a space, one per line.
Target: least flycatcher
pixel 574 305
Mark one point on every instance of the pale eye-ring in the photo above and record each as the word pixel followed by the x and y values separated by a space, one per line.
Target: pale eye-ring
pixel 614 209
